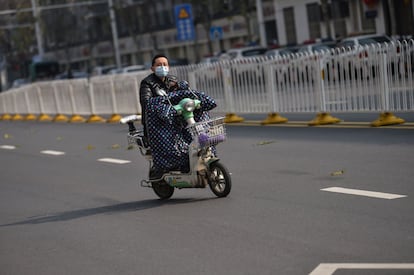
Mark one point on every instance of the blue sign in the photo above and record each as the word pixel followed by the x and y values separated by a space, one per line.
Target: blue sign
pixel 216 33
pixel 184 21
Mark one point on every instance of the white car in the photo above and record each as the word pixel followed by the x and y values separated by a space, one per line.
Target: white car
pixel 128 69
pixel 280 51
pixel 20 82
pixel 317 47
pixel 245 52
pixel 115 71
pixel 362 40
pixel 209 60
pixel 133 68
pixel 361 55
pixel 100 70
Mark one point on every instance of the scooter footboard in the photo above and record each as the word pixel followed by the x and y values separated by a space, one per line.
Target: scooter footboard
pixel 181 180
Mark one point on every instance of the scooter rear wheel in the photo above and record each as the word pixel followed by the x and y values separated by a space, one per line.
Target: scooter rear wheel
pixel 162 189
pixel 219 179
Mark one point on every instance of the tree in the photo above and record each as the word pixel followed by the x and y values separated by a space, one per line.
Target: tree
pixel 17 37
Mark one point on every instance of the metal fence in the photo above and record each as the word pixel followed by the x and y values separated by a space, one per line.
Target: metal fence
pixel 375 78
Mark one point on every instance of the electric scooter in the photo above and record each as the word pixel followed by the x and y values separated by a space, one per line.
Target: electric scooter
pixel 205 168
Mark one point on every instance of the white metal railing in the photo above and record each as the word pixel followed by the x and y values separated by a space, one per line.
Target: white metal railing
pixel 378 78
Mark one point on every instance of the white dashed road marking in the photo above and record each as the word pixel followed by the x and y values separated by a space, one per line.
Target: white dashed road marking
pixel 365 193
pixel 8 147
pixel 52 152
pixel 329 269
pixel 117 161
pixel 59 153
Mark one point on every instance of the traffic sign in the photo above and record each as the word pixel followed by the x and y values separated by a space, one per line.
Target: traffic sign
pixel 184 22
pixel 216 33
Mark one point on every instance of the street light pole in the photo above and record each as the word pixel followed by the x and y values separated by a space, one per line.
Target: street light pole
pixel 38 30
pixel 114 33
pixel 262 31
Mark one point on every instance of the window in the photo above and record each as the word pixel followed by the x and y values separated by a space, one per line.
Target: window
pixel 368 24
pixel 314 18
pixel 290 27
pixel 271 31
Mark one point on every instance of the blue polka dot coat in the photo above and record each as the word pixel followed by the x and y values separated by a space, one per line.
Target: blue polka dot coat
pixel 168 137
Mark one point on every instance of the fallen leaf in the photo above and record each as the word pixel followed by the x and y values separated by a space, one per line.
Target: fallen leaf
pixel 59 138
pixel 6 136
pixel 90 147
pixel 115 146
pixel 338 173
pixel 130 147
pixel 266 142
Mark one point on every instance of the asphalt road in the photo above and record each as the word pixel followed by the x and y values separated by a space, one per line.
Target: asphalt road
pixel 62 211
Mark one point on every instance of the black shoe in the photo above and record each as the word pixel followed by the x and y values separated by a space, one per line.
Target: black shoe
pixel 185 168
pixel 156 174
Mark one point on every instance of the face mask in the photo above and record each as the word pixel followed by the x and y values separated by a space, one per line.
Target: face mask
pixel 161 71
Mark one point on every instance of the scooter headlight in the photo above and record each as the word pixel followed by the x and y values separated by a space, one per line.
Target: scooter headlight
pixel 189 106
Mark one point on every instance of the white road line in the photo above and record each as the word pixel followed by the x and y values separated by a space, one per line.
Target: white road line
pixel 358 192
pixel 329 269
pixel 8 147
pixel 52 152
pixel 117 161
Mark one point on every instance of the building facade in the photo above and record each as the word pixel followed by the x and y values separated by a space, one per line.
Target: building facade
pixel 82 38
pixel 299 21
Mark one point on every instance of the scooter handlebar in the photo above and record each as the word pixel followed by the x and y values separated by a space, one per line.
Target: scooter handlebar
pixel 130 118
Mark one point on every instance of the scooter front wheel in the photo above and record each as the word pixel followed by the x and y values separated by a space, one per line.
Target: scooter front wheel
pixel 219 179
pixel 162 189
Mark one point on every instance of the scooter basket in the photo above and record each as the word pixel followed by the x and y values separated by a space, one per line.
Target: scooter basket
pixel 208 133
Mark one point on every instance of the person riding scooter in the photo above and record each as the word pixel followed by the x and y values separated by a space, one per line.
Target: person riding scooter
pixel 163 128
pixel 181 120
pixel 153 85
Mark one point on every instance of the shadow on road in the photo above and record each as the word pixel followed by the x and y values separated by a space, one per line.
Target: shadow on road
pixel 121 207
